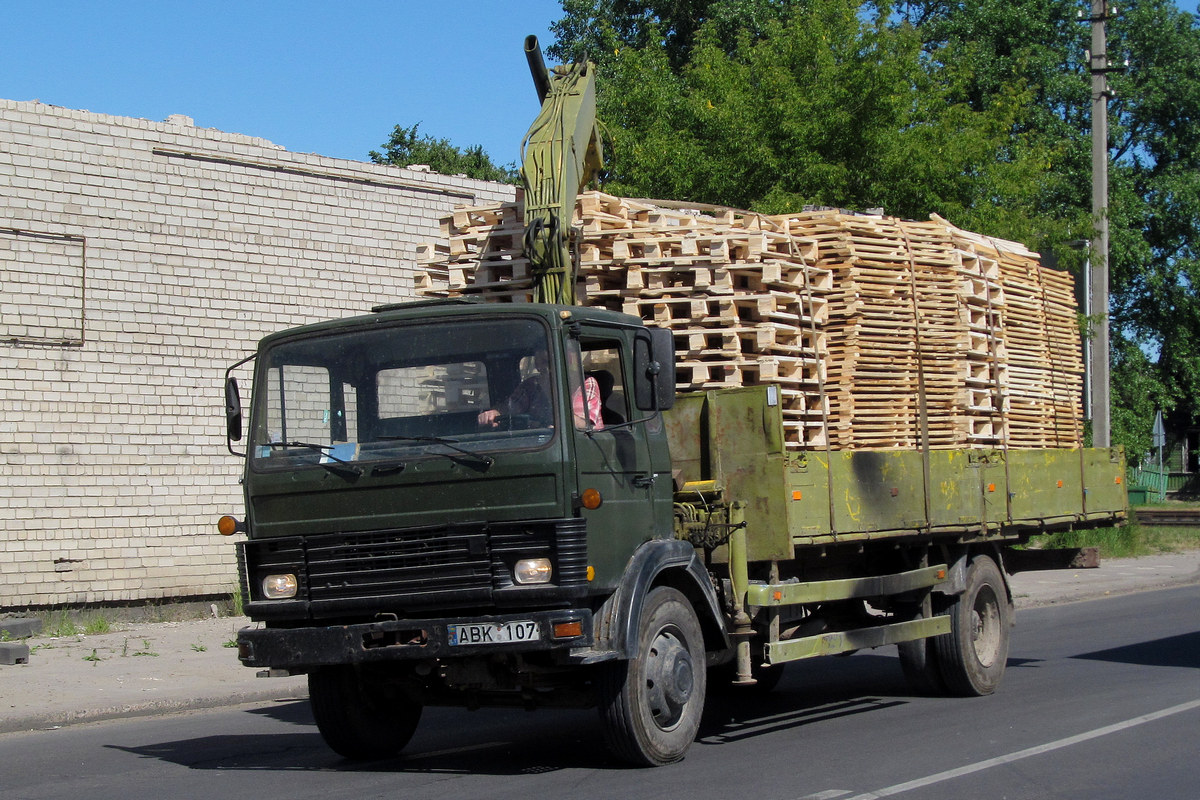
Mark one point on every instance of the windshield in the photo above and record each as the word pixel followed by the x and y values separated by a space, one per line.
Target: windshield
pixel 451 389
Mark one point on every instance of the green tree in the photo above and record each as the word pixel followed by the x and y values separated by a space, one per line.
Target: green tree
pixel 405 146
pixel 1156 200
pixel 818 103
pixel 598 29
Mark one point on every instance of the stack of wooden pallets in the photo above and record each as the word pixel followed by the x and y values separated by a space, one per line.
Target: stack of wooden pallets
pixel 1042 360
pixel 880 333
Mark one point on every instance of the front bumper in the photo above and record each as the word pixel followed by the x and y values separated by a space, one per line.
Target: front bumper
pixel 400 640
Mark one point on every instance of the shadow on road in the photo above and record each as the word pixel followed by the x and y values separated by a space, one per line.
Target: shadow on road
pixel 488 742
pixel 810 692
pixel 1173 651
pixel 292 712
pixel 504 742
pixel 507 742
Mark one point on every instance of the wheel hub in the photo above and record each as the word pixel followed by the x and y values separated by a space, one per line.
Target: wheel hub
pixel 985 627
pixel 670 679
pixel 679 687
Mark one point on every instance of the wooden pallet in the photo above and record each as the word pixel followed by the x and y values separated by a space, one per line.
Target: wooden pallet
pixel 879 332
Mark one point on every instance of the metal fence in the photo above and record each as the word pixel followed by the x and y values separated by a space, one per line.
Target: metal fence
pixel 1157 483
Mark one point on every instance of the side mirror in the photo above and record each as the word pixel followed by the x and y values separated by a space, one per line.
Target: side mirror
pixel 654 369
pixel 233 410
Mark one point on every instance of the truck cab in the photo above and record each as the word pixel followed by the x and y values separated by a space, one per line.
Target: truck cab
pixel 443 498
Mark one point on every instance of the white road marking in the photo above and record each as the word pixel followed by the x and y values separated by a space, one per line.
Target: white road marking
pixel 1027 753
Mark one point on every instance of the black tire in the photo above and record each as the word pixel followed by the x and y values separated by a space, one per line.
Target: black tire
pixel 974 654
pixel 358 718
pixel 650 706
pixel 921 668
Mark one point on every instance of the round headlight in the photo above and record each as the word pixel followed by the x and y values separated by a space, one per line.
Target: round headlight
pixel 279 587
pixel 533 570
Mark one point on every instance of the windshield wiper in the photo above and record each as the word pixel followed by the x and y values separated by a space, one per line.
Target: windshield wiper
pixel 473 459
pixel 327 451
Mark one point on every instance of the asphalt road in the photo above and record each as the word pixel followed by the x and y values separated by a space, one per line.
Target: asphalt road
pixel 1101 700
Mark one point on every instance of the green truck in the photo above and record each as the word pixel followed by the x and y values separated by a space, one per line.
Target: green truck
pixel 403 553
pixel 470 504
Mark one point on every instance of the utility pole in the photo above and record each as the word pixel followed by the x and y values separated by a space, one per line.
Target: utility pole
pixel 1098 283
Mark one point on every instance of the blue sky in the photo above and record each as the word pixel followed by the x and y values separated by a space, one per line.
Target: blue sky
pixel 321 77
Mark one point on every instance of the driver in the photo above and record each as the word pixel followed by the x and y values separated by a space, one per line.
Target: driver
pixel 531 397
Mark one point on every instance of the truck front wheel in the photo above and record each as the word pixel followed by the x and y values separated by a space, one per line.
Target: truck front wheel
pixel 650 706
pixel 974 654
pixel 358 717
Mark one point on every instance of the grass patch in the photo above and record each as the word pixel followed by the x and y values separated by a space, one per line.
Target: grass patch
pixel 1170 504
pixel 64 623
pixel 1129 541
pixel 145 650
pixel 59 625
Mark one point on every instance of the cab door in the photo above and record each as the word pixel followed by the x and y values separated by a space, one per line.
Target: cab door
pixel 612 455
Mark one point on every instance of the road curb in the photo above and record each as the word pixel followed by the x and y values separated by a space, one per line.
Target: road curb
pixel 1083 585
pixel 38 722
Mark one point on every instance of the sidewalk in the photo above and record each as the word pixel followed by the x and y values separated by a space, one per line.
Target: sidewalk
pixel 1114 577
pixel 139 669
pixel 160 667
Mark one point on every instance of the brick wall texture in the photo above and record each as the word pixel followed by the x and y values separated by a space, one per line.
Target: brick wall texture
pixel 139 259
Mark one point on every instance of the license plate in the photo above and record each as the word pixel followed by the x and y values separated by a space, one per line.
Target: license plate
pixel 493 633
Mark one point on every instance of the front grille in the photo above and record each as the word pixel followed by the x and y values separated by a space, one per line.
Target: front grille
pixel 400 563
pixel 457 565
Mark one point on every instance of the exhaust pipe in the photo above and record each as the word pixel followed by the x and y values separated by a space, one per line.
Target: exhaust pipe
pixel 537 67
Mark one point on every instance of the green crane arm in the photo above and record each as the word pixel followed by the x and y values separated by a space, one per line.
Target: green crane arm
pixel 559 155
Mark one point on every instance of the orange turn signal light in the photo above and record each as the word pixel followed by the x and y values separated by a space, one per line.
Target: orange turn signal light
pixel 591 499
pixel 568 630
pixel 228 526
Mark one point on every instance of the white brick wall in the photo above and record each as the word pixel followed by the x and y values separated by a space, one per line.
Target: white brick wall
pixel 139 259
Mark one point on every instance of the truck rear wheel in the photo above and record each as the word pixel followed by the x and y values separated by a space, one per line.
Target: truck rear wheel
pixel 650 706
pixel 921 668
pixel 974 654
pixel 360 718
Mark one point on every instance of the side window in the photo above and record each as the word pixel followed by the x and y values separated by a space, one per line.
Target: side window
pixel 602 363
